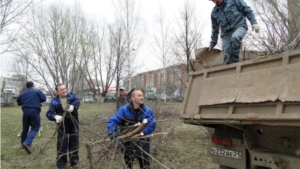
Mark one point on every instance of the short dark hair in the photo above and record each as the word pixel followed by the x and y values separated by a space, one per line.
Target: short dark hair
pixel 56 86
pixel 29 84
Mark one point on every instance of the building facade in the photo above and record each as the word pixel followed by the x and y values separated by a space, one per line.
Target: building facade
pixel 168 80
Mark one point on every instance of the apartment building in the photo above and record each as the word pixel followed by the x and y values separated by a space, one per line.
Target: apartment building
pixel 168 80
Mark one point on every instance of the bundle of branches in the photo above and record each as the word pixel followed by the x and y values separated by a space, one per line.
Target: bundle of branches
pixel 131 133
pixel 126 134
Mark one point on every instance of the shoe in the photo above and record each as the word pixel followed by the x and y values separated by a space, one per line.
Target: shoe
pixel 75 165
pixel 27 148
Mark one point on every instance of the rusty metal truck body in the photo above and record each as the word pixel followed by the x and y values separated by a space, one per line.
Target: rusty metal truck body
pixel 253 106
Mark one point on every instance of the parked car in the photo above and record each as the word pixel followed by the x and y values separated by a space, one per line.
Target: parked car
pixel 7 101
pixel 151 97
pixel 88 99
pixel 172 97
pixel 110 96
pixel 48 100
pixel 163 97
pixel 177 96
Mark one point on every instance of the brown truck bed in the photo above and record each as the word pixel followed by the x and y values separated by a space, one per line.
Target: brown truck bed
pixel 263 90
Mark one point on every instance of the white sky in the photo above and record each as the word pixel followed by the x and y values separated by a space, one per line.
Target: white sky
pixel 149 11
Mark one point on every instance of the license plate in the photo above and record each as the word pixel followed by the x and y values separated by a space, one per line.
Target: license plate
pixel 226 153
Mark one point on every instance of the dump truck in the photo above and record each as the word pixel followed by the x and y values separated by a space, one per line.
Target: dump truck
pixel 253 107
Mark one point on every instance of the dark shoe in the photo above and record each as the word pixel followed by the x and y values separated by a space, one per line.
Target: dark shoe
pixel 75 165
pixel 27 148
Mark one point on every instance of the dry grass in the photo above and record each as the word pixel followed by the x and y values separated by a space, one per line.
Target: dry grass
pixel 183 148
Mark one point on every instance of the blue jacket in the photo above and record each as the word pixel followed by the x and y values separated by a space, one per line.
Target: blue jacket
pixel 127 116
pixel 31 98
pixel 56 108
pixel 230 17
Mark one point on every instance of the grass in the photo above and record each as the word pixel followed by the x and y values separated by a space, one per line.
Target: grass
pixel 183 148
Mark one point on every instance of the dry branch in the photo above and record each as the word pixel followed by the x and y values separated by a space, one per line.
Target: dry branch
pixel 137 130
pixel 57 128
pixel 147 136
pixel 131 133
pixel 88 146
pixel 151 157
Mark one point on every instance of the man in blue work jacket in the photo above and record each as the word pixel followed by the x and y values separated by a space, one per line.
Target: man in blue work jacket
pixel 129 114
pixel 231 16
pixel 68 132
pixel 30 100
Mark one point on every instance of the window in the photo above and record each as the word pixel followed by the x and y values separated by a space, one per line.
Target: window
pixel 140 81
pixel 150 79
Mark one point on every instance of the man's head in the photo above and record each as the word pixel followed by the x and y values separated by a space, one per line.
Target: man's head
pixel 217 2
pixel 61 90
pixel 137 97
pixel 29 84
pixel 122 90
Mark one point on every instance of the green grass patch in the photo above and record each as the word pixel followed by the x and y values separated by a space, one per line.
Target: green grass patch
pixel 184 148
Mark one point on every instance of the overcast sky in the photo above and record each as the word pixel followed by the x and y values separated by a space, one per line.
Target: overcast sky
pixel 149 12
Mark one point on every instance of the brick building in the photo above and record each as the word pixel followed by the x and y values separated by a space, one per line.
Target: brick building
pixel 169 80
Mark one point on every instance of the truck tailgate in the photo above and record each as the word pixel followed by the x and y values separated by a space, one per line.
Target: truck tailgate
pixel 263 90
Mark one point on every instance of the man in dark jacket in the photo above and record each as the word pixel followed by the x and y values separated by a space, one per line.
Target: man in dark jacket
pixel 30 100
pixel 122 98
pixel 68 133
pixel 231 16
pixel 130 114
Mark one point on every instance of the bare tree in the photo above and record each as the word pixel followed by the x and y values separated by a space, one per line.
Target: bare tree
pixel 187 34
pixel 117 44
pixel 161 46
pixel 22 69
pixel 106 67
pixel 50 44
pixel 11 13
pixel 127 12
pixel 88 45
pixel 280 23
pixel 98 53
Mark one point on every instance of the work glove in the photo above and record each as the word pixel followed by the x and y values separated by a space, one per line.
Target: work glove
pixel 210 48
pixel 58 118
pixel 70 109
pixel 255 28
pixel 117 143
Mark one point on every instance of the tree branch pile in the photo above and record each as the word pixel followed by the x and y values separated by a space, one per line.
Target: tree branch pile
pixel 128 134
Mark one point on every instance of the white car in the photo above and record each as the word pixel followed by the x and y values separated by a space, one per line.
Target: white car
pixel 162 97
pixel 48 100
pixel 88 99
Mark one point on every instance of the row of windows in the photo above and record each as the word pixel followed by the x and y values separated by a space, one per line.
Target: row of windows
pixel 174 79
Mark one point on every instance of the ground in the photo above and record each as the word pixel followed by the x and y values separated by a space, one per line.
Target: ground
pixel 183 148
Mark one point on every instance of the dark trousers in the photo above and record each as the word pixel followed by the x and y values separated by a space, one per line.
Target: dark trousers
pixel 132 151
pixel 67 139
pixel 144 162
pixel 231 43
pixel 31 118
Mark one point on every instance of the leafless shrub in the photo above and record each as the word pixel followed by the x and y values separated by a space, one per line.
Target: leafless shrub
pixel 280 26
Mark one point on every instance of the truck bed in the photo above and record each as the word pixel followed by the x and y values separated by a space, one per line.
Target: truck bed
pixel 264 90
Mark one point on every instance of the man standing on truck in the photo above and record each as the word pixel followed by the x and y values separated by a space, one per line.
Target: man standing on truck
pixel 128 115
pixel 31 101
pixel 231 16
pixel 65 105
